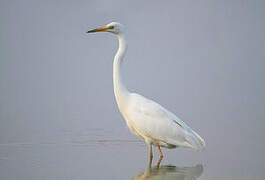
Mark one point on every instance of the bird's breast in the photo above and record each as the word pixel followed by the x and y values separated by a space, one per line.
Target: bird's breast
pixel 130 124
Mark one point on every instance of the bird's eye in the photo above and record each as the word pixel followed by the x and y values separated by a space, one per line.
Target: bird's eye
pixel 111 27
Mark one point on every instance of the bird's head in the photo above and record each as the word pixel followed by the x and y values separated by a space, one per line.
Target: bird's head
pixel 113 27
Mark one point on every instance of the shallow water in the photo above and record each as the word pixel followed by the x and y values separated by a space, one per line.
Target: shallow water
pixel 103 158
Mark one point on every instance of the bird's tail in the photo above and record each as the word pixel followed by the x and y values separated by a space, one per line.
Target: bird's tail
pixel 194 140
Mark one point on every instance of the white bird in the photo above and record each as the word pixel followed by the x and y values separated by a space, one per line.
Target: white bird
pixel 144 117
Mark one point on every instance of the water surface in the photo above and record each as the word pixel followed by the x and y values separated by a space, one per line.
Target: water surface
pixel 105 158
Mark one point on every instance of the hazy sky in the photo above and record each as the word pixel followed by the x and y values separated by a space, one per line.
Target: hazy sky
pixel 202 60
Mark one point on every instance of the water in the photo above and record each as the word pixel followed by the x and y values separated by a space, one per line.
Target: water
pixel 171 172
pixel 105 158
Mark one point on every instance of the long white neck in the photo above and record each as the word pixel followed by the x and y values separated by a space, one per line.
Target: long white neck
pixel 120 91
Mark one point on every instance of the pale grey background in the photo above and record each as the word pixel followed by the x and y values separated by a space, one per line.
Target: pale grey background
pixel 203 60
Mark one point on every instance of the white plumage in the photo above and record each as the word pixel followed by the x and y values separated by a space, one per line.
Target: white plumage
pixel 158 126
pixel 146 118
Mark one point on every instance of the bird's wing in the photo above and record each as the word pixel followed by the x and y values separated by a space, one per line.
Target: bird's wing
pixel 152 120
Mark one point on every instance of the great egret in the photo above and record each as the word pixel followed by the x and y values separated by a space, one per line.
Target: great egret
pixel 144 117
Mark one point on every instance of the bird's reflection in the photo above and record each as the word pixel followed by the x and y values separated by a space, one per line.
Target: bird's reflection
pixel 170 173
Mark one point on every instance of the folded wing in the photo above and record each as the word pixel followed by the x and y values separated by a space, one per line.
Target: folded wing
pixel 153 121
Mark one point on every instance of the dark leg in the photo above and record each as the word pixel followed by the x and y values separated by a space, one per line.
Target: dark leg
pixel 160 157
pixel 150 156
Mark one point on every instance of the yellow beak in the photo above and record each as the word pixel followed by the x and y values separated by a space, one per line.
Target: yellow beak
pixel 104 28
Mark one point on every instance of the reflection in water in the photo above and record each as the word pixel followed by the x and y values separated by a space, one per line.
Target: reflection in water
pixel 170 173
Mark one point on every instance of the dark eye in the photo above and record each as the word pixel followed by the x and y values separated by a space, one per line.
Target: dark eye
pixel 111 27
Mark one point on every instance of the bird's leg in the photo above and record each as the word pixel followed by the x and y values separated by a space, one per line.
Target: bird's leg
pixel 160 152
pixel 150 156
pixel 160 157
